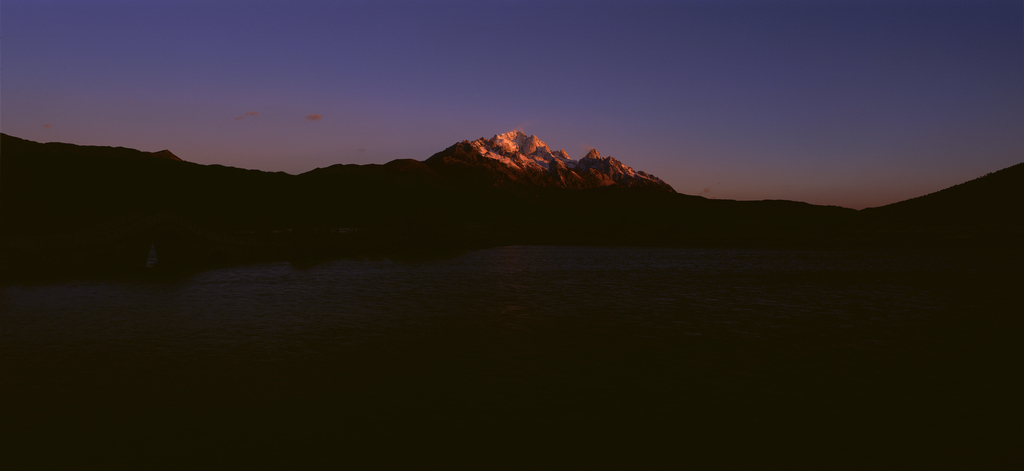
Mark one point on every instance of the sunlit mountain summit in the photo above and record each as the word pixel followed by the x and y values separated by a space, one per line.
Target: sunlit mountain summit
pixel 518 150
pixel 515 158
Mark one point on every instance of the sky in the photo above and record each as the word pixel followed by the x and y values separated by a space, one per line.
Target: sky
pixel 856 103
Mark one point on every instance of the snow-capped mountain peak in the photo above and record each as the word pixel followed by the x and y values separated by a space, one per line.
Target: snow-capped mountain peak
pixel 530 154
pixel 518 150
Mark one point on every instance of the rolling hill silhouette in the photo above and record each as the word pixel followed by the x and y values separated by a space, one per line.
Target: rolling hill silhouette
pixel 992 202
pixel 984 213
pixel 69 205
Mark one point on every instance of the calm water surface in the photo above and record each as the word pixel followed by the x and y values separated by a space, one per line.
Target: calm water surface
pixel 518 357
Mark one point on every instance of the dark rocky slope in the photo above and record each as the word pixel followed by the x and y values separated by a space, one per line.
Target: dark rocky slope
pixel 65 200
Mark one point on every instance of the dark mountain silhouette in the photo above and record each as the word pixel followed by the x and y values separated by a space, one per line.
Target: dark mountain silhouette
pixel 992 200
pixel 65 205
pixel 985 211
pixel 55 188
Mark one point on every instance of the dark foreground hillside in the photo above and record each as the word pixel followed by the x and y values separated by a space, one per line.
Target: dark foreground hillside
pixel 86 209
pixel 987 212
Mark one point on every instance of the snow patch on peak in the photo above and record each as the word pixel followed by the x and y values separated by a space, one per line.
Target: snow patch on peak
pixel 517 150
pixel 511 135
pixel 519 142
pixel 533 145
pixel 524 151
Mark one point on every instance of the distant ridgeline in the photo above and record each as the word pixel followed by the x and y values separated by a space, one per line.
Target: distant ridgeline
pixel 93 209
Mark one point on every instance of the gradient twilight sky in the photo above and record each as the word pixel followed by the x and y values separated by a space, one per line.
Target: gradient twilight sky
pixel 855 103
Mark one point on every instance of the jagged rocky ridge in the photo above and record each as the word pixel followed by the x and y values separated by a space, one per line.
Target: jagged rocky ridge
pixel 515 158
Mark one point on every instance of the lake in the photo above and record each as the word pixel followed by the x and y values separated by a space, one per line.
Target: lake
pixel 542 357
